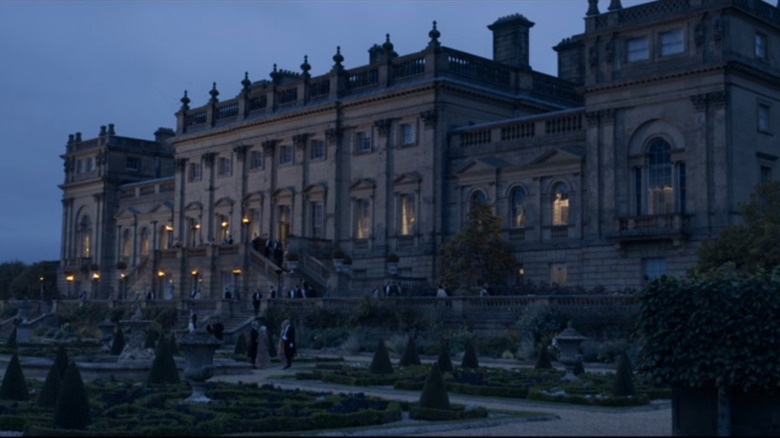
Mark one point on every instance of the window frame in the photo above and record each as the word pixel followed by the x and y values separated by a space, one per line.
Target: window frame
pixel 224 166
pixel 631 52
pixel 764 114
pixel 407 214
pixel 256 159
pixel 522 221
pixel 317 149
pixel 560 204
pixel 196 175
pixel 286 155
pixel 663 45
pixel 407 134
pixel 129 167
pixel 760 46
pixel 362 216
pixel 363 142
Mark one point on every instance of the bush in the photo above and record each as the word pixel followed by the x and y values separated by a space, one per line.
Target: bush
pixel 624 378
pixel 174 345
pixel 410 356
pixel 543 361
pixel 72 410
pixel 434 393
pixel 445 364
pixel 163 367
pixel 14 386
pixel 470 357
pixel 61 360
pixel 119 342
pixel 380 363
pixel 47 398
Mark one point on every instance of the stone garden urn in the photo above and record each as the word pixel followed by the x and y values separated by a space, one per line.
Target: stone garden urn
pixel 106 333
pixel 134 342
pixel 569 345
pixel 198 347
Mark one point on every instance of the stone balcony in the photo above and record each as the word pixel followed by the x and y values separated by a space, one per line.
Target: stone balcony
pixel 673 227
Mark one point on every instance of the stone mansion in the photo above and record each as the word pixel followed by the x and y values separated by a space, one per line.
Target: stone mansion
pixel 661 120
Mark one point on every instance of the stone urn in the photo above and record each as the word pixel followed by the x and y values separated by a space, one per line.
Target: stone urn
pixel 198 347
pixel 569 344
pixel 106 332
pixel 134 342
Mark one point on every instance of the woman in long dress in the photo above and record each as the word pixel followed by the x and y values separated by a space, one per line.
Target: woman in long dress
pixel 263 358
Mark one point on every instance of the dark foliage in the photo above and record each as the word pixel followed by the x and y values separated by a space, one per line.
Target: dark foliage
pixel 118 343
pixel 444 361
pixel 380 363
pixel 470 357
pixel 624 377
pixel 174 345
pixel 61 360
pixel 163 367
pixel 434 392
pixel 14 386
pixel 72 410
pixel 410 356
pixel 241 348
pixel 151 339
pixel 543 360
pixel 47 398
pixel 11 342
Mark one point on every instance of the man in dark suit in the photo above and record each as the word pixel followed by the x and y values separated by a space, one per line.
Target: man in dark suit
pixel 256 297
pixel 288 346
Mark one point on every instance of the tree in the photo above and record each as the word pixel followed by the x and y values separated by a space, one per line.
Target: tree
pixel 380 363
pixel 14 386
pixel 751 245
pixel 164 366
pixel 27 284
pixel 9 271
pixel 476 254
pixel 47 398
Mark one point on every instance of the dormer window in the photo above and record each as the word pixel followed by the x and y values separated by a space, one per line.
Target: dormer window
pixel 672 43
pixel 637 49
pixel 132 163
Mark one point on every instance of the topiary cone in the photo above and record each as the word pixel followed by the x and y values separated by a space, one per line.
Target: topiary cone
pixel 434 392
pixel 174 345
pixel 624 377
pixel 119 342
pixel 445 364
pixel 11 342
pixel 163 367
pixel 410 356
pixel 47 398
pixel 543 361
pixel 380 363
pixel 61 360
pixel 470 357
pixel 72 410
pixel 14 385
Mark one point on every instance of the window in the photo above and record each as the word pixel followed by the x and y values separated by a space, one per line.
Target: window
pixel 558 273
pixel 637 49
pixel 760 46
pixel 224 166
pixel 518 207
pixel 84 232
pixel 90 164
pixel 195 172
pixel 223 221
pixel 194 231
pixel 144 241
pixel 79 166
pixel 407 215
pixel 256 159
pixel 763 117
pixel 284 224
pixel 317 150
pixel 362 142
pixel 659 178
pixel 362 218
pixel 766 174
pixel 407 134
pixel 654 267
pixel 317 215
pixel 672 42
pixel 132 163
pixel 127 244
pixel 286 154
pixel 560 204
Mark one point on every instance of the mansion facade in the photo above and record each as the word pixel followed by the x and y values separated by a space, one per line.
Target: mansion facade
pixel 661 120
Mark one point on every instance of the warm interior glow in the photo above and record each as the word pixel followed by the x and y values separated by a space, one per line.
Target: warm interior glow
pixel 122 275
pixel 168 228
pixel 160 274
pixel 237 271
pixel 69 278
pixel 197 226
pixel 245 220
pixel 95 276
pixel 195 272
pixel 224 224
pixel 40 278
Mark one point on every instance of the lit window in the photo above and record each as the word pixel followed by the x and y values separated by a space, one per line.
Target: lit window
pixel 654 267
pixel 195 172
pixel 317 228
pixel 407 215
pixel 362 142
pixel 132 163
pixel 256 160
pixel 659 178
pixel 637 49
pixel 362 218
pixel 518 207
pixel 284 224
pixel 558 273
pixel 145 241
pixel 286 154
pixel 760 46
pixel 560 207
pixel 317 150
pixel 407 134
pixel 127 244
pixel 763 118
pixel 224 167
pixel 672 43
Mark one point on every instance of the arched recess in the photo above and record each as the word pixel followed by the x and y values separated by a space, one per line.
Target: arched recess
pixel 223 209
pixel 253 213
pixel 315 198
pixel 193 215
pixel 517 206
pixel 362 195
pixel 406 190
pixel 283 205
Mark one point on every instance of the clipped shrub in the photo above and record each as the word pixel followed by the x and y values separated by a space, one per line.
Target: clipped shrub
pixel 445 364
pixel 11 342
pixel 61 360
pixel 47 398
pixel 241 348
pixel 72 410
pixel 410 356
pixel 470 357
pixel 163 367
pixel 174 345
pixel 543 360
pixel 624 377
pixel 14 386
pixel 380 363
pixel 434 392
pixel 119 342
pixel 151 339
pixel 579 368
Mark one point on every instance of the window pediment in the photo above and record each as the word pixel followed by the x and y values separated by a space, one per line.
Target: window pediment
pixel 557 156
pixel 224 202
pixel 194 206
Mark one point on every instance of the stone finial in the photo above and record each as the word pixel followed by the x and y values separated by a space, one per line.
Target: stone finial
pixel 337 58
pixel 305 67
pixel 275 76
pixel 615 5
pixel 70 138
pixel 388 46
pixel 102 130
pixel 185 101
pixel 434 34
pixel 246 82
pixel 214 93
pixel 111 129
pixel 78 137
pixel 593 7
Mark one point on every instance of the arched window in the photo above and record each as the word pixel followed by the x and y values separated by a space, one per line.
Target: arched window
pixel 284 225
pixel 407 214
pixel 517 207
pixel 144 241
pixel 127 243
pixel 659 178
pixel 560 204
pixel 478 197
pixel 84 232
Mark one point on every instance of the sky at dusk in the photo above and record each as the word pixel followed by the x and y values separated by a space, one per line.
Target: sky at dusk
pixel 68 66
